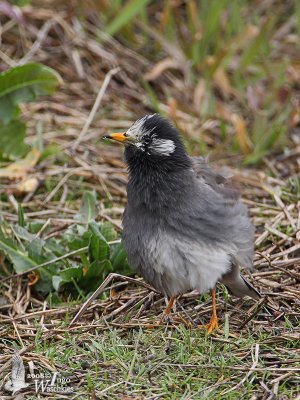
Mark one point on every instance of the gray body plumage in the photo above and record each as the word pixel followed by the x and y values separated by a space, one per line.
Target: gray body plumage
pixel 184 228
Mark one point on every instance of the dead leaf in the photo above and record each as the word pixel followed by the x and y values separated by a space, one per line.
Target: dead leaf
pixel 20 168
pixel 241 133
pixel 223 111
pixel 252 98
pixel 243 38
pixel 221 80
pixel 199 94
pixel 295 115
pixel 172 103
pixel 26 186
pixel 33 277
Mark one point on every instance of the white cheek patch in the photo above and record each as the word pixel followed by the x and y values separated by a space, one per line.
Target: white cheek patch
pixel 164 147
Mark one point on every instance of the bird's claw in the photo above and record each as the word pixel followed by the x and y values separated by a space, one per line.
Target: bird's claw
pixel 211 326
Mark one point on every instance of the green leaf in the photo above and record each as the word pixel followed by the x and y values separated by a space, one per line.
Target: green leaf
pixel 20 259
pixel 21 219
pixel 12 136
pixel 57 281
pixel 108 231
pixel 71 273
pixel 53 299
pixel 98 246
pixel 44 284
pixel 65 276
pixel 23 233
pixel 75 240
pixel 88 210
pixel 126 14
pixel 98 269
pixel 54 247
pixel 35 250
pixel 95 274
pixel 119 260
pixel 23 84
pixel 49 151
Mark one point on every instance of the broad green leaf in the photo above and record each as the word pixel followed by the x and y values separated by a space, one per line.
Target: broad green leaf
pixel 87 211
pixel 12 136
pixel 95 274
pixel 23 84
pixel 71 273
pixel 119 260
pixel 34 227
pixel 19 258
pixel 98 269
pixel 44 284
pixel 98 246
pixel 75 240
pixel 108 231
pixel 35 251
pixel 23 233
pixel 57 281
pixel 66 276
pixel 55 248
pixel 125 15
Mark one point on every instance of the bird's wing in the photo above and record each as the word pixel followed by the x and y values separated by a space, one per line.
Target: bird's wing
pixel 213 215
pixel 219 180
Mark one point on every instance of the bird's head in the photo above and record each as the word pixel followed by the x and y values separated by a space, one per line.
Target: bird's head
pixel 154 139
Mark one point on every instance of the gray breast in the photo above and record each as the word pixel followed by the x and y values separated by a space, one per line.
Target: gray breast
pixel 169 260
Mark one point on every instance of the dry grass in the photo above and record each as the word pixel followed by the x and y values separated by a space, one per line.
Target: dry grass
pixel 117 349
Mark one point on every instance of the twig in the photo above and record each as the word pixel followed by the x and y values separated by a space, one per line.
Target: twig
pixel 99 97
pixel 101 289
pixel 41 36
pixel 255 312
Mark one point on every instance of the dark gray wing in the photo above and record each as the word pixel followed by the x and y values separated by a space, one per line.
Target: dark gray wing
pixel 212 213
pixel 219 180
pixel 242 231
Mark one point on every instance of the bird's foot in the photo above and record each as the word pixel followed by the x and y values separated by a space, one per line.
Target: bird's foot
pixel 211 326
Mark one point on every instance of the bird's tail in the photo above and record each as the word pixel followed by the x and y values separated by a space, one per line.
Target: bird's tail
pixel 240 287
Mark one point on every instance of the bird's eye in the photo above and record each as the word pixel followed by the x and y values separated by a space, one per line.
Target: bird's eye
pixel 126 134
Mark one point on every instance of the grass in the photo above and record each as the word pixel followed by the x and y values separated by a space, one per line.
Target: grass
pixel 228 80
pixel 168 362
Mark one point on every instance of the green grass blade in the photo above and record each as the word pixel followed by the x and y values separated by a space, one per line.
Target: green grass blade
pixel 125 15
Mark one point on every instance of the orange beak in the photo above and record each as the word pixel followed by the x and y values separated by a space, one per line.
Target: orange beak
pixel 118 136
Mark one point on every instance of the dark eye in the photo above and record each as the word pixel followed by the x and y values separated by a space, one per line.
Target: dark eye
pixel 126 134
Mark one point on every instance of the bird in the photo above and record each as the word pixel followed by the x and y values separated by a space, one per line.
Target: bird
pixel 184 227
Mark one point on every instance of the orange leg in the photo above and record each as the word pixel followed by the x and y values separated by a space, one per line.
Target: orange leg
pixel 169 306
pixel 213 323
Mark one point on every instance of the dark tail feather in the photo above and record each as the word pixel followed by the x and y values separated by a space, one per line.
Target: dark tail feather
pixel 240 287
pixel 255 293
